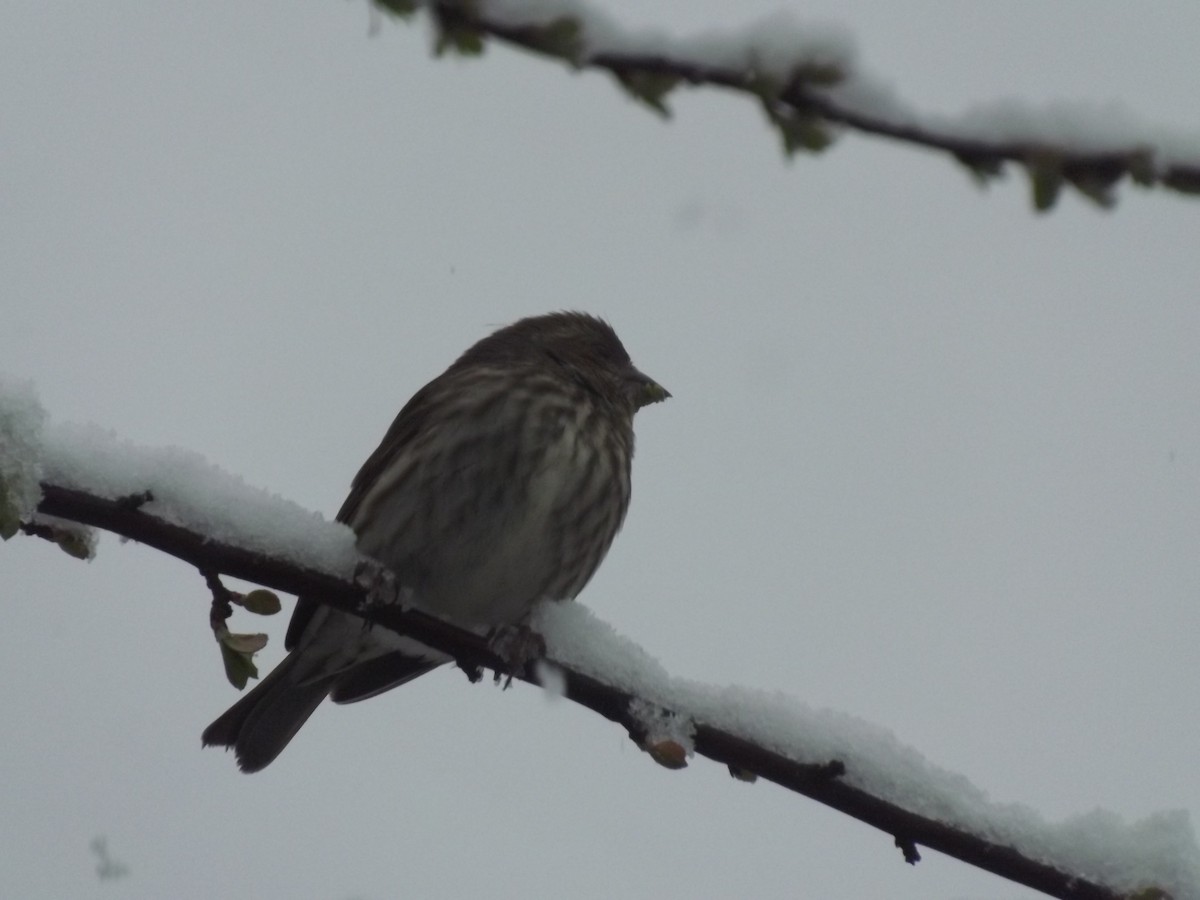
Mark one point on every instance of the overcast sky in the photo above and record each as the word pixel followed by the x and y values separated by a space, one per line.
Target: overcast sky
pixel 931 459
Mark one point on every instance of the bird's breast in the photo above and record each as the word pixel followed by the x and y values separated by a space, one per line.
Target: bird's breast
pixel 496 536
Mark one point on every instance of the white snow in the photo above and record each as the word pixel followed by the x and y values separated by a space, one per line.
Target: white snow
pixel 779 44
pixel 1080 126
pixel 1159 850
pixel 775 45
pixel 187 489
pixel 551 678
pixel 21 421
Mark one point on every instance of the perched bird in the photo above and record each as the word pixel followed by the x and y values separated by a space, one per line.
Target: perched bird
pixel 502 482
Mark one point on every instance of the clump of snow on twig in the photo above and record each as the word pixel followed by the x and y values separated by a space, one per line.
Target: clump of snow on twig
pixel 21 422
pixel 776 45
pixel 188 490
pixel 551 678
pixel 1159 850
pixel 1082 127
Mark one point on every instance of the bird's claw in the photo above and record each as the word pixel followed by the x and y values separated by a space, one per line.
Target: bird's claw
pixel 517 646
pixel 381 587
pixel 379 582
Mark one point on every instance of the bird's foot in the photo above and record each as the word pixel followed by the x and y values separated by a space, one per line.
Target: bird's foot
pixel 381 587
pixel 518 646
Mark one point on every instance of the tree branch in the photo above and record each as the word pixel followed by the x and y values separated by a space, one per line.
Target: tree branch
pixel 803 107
pixel 745 759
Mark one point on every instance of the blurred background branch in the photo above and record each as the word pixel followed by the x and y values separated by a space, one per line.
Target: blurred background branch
pixel 806 109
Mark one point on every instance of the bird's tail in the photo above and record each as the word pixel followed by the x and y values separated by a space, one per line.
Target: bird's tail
pixel 260 725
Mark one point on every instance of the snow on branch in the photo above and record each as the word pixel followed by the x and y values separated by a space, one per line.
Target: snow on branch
pixel 809 84
pixel 56 479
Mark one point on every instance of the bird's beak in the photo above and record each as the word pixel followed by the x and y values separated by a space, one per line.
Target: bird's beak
pixel 648 390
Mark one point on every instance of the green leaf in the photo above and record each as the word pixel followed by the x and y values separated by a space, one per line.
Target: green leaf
pixel 401 8
pixel 261 602
pixel 459 39
pixel 239 667
pixel 803 132
pixel 562 37
pixel 1046 179
pixel 237 652
pixel 650 88
pixel 799 130
pixel 243 643
pixel 1098 190
pixel 1097 180
pixel 983 167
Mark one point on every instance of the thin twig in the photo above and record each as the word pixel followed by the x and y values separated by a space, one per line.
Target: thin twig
pixel 222 601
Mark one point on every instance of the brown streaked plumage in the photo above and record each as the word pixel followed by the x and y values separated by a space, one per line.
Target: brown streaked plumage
pixel 501 482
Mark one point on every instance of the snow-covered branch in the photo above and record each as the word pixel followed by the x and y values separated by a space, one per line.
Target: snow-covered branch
pixel 809 84
pixel 828 782
pixel 59 482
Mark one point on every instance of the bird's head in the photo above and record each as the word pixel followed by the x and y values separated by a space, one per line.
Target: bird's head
pixel 582 347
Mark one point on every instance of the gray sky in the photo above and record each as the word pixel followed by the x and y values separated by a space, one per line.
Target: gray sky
pixel 931 459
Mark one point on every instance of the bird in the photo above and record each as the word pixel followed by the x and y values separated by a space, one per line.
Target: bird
pixel 500 484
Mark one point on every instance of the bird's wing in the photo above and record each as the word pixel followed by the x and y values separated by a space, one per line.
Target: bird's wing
pixel 407 424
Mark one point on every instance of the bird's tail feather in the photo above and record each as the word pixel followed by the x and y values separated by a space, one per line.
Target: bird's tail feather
pixel 262 723
pixel 373 677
